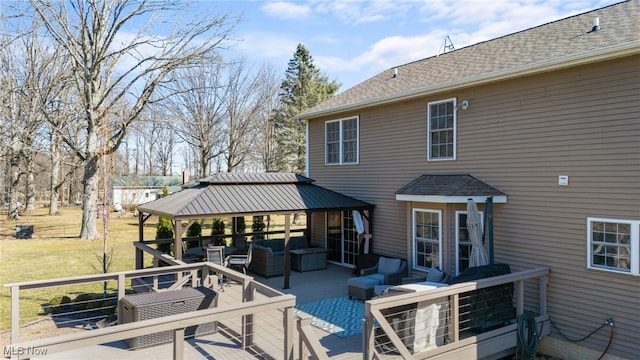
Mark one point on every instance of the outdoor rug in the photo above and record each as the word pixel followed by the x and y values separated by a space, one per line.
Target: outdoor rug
pixel 338 316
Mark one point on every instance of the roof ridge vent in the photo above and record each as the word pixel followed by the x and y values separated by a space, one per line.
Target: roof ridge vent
pixel 596 24
pixel 395 72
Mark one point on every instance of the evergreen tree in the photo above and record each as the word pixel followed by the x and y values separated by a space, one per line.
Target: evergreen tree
pixel 304 86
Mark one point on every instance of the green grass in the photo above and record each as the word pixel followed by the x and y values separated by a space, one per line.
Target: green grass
pixel 56 251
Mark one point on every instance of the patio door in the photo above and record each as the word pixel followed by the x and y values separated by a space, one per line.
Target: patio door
pixel 342 238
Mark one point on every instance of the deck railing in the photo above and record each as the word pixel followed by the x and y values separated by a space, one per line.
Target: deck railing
pixel 199 274
pixel 440 321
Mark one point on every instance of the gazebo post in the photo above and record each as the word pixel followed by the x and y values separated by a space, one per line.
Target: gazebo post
pixel 140 253
pixel 287 256
pixel 177 242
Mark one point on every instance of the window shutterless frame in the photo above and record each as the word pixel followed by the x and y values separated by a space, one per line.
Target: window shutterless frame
pixel 427 238
pixel 441 130
pixel 342 144
pixel 613 245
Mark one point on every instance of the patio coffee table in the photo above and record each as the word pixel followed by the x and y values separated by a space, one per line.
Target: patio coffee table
pixel 308 259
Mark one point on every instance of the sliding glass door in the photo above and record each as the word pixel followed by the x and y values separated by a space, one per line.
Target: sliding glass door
pixel 342 239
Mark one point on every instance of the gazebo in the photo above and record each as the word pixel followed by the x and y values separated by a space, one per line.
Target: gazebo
pixel 246 194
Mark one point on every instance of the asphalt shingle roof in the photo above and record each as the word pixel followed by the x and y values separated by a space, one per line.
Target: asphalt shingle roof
pixel 560 42
pixel 449 185
pixel 236 194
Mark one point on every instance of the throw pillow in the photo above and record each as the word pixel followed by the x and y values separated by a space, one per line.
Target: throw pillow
pixel 387 265
pixel 434 275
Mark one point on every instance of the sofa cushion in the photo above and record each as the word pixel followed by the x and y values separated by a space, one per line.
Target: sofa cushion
pixel 434 275
pixel 388 265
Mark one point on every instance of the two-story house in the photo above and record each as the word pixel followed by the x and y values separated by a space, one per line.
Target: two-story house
pixel 544 121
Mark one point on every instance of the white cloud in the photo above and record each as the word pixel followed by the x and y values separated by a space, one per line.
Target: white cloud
pixel 266 45
pixel 363 12
pixel 286 10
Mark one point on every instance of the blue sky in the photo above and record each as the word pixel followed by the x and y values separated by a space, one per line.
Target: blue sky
pixel 352 40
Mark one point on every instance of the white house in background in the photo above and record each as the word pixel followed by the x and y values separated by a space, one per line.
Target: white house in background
pixel 136 190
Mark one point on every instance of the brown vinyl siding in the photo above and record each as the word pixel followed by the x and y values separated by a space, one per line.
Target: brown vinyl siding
pixel 519 136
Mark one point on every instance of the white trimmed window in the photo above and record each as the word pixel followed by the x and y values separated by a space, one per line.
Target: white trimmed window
pixel 463 242
pixel 614 245
pixel 441 130
pixel 427 238
pixel 341 141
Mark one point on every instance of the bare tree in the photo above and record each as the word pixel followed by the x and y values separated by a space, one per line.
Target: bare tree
pixel 109 66
pixel 198 108
pixel 242 104
pixel 263 131
pixel 24 68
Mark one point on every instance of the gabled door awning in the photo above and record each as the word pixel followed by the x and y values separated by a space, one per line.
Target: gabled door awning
pixel 452 189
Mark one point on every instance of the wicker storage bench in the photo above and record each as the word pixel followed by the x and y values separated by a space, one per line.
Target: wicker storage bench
pixel 137 307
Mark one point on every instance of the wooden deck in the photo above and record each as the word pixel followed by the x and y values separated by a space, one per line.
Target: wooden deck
pixel 268 326
pixel 255 319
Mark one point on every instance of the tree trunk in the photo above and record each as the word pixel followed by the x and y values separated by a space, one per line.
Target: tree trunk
pixel 13 202
pixel 91 177
pixel 30 195
pixel 55 174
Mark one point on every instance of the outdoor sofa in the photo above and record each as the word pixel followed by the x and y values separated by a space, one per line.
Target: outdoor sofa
pixel 268 255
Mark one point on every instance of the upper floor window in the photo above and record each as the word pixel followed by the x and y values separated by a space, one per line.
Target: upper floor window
pixel 441 130
pixel 341 141
pixel 614 245
pixel 427 238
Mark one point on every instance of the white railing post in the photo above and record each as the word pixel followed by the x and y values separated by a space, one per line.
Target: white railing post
pixel 302 349
pixel 15 314
pixel 288 332
pixel 121 293
pixel 455 317
pixel 178 344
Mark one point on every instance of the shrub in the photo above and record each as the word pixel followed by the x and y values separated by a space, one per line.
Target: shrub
pixel 257 227
pixel 218 231
pixel 164 231
pixel 195 230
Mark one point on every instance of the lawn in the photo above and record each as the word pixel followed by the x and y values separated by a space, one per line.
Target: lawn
pixel 56 251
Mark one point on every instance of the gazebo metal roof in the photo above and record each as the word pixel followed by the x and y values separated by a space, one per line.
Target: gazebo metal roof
pixel 238 194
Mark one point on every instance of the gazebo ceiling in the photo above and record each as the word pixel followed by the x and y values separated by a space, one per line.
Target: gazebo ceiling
pixel 237 194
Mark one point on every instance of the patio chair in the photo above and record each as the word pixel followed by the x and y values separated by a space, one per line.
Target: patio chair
pixel 387 272
pixel 240 260
pixel 215 255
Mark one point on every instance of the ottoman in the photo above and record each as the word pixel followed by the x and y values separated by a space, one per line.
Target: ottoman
pixel 361 287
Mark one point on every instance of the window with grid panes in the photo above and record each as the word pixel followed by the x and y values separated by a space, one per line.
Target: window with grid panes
pixel 341 141
pixel 614 245
pixel 441 128
pixel 427 235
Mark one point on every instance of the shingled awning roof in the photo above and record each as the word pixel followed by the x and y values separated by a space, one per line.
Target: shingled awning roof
pixel 562 43
pixel 449 189
pixel 235 194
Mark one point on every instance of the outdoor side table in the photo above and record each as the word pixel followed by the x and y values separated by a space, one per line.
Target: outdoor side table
pixel 308 259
